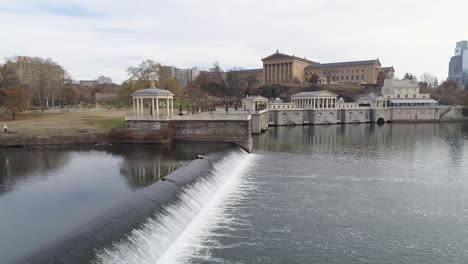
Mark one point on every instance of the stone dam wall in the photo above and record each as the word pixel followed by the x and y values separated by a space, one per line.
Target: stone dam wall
pixel 233 131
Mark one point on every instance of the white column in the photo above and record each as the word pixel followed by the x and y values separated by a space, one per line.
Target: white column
pixel 133 105
pixel 172 107
pixel 152 107
pixel 167 107
pixel 138 107
pixel 157 108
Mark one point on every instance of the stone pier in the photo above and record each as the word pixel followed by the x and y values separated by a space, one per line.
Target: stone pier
pixel 232 129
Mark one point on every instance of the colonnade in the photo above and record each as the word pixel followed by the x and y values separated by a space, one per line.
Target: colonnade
pixel 166 107
pixel 277 72
pixel 315 103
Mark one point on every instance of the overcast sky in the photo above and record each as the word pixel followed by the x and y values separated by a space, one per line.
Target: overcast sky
pixel 92 38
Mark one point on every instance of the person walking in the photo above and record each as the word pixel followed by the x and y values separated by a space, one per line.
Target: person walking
pixel 5 128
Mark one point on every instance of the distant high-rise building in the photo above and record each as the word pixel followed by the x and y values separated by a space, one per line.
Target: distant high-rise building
pixel 184 76
pixel 458 66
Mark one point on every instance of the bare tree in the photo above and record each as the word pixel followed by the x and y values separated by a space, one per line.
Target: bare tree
pixel 104 80
pixel 43 78
pixel 427 80
pixel 147 70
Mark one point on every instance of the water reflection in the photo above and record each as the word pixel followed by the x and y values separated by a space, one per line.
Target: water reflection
pixel 17 165
pixel 298 139
pixel 46 193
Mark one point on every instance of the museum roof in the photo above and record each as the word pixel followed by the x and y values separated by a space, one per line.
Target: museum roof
pixel 388 68
pixel 315 94
pixel 152 91
pixel 345 63
pixel 279 55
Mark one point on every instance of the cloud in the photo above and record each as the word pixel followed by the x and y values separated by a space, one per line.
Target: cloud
pixel 92 38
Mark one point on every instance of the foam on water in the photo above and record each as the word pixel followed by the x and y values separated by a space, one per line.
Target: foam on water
pixel 175 234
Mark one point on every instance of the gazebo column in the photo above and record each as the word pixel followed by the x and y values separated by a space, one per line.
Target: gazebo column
pixel 157 108
pixel 133 105
pixel 142 109
pixel 167 107
pixel 138 106
pixel 172 107
pixel 152 107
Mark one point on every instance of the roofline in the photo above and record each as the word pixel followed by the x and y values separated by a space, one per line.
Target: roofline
pixel 296 95
pixel 344 63
pixel 289 56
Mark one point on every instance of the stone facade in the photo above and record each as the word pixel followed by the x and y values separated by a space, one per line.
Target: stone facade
pixel 353 72
pixel 283 68
pixel 234 131
pixel 395 89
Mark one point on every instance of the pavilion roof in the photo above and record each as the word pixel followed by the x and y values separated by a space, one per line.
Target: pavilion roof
pixel 152 91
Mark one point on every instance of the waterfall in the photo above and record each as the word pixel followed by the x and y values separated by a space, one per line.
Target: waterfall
pixel 169 231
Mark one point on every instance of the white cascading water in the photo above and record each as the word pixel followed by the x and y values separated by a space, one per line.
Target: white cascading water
pixel 172 236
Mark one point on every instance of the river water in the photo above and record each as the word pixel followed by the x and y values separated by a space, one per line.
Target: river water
pixel 396 193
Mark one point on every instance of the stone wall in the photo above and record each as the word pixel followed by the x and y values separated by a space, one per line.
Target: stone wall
pixel 234 131
pixel 259 122
pixel 407 114
pixel 361 115
pixel 451 113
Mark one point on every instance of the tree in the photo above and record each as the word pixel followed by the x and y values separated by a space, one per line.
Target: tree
pixel 236 84
pixel 8 76
pixel 172 85
pixel 408 76
pixel 427 80
pixel 104 80
pixel 15 99
pixel 69 95
pixel 216 73
pixel 147 71
pixel 42 78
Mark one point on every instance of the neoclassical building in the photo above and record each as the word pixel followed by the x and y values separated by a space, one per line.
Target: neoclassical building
pixel 284 68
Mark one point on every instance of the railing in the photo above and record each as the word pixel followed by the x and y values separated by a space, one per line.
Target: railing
pixel 204 116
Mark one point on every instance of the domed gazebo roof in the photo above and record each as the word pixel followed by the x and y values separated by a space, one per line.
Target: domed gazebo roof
pixel 153 91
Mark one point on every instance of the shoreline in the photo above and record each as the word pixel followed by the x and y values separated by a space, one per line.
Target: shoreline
pixel 131 136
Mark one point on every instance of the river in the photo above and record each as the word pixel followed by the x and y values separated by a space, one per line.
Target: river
pixel 395 193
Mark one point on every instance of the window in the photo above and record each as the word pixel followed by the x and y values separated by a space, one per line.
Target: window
pixel 342 78
pixel 398 96
pixel 347 71
pixel 406 95
pixel 352 70
pixel 362 77
pixel 352 77
pixel 357 77
pixel 414 96
pixel 347 77
pixel 362 70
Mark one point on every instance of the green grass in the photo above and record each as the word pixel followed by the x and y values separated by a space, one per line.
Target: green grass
pixel 104 123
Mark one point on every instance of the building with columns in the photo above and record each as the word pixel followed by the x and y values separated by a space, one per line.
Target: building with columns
pixel 283 68
pixel 315 100
pixel 153 103
pixel 254 103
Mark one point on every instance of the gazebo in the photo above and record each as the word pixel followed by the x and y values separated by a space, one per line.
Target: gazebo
pixel 157 101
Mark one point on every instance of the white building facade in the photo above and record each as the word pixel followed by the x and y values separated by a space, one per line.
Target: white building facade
pixel 401 89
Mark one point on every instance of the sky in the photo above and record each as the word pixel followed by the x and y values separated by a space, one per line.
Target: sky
pixel 90 38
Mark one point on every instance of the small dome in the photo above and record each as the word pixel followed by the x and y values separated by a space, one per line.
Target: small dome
pixel 152 91
pixel 341 100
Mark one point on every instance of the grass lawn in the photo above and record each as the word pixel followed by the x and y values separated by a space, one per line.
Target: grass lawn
pixel 68 122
